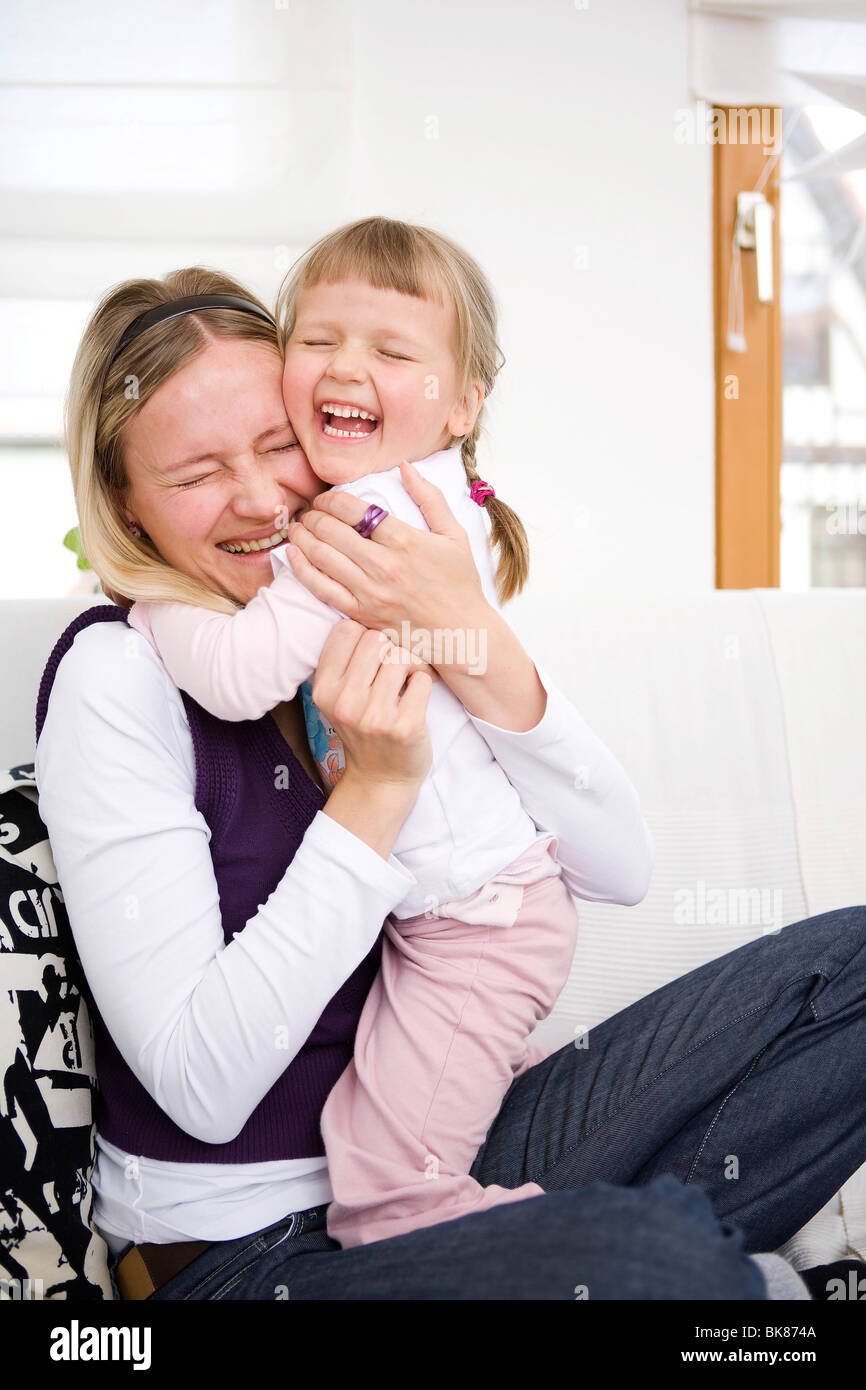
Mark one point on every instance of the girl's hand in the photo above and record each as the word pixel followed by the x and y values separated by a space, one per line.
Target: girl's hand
pixel 400 574
pixel 357 687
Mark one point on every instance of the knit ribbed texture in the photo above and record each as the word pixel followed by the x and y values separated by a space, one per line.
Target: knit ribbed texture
pixel 782 1280
pixel 257 824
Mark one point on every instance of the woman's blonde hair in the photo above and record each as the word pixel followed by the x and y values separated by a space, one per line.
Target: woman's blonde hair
pixel 103 398
pixel 415 260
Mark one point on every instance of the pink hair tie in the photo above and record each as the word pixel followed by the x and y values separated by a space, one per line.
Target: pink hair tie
pixel 480 491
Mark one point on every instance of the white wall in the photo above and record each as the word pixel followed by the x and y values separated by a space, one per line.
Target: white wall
pixel 555 132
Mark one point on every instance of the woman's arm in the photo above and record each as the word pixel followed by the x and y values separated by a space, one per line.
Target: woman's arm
pixel 197 1020
pixel 570 783
pixel 568 780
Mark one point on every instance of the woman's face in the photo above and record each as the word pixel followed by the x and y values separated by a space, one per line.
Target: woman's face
pixel 212 459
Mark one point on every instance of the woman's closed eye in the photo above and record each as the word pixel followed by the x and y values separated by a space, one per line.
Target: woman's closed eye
pixel 192 482
pixel 280 449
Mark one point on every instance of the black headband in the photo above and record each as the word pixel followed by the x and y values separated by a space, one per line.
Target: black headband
pixel 189 305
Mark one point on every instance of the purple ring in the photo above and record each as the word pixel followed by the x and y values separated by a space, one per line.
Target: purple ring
pixel 370 520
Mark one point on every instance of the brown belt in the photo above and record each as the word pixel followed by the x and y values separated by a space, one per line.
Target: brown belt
pixel 145 1268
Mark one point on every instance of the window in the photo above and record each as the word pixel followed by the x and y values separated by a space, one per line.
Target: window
pixel 133 142
pixel 823 227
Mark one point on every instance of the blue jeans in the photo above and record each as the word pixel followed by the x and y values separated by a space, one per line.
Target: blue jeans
pixel 708 1121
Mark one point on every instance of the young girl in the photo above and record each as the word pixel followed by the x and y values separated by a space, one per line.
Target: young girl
pixel 389 333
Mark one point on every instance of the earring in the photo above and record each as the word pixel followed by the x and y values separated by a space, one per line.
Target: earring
pixel 134 528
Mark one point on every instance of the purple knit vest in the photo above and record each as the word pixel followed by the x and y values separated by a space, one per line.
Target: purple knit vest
pixel 256 829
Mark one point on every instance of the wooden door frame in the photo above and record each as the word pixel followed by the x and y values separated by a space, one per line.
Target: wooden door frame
pixel 748 385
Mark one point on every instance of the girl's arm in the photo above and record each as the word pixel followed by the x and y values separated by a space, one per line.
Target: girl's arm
pixel 206 1027
pixel 240 666
pixel 568 780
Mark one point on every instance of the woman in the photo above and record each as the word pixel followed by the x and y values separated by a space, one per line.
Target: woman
pixel 227 915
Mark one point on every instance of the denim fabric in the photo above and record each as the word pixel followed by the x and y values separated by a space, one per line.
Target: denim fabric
pixel 708 1121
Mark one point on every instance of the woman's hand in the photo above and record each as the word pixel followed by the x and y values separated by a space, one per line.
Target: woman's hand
pixel 429 581
pixel 400 574
pixel 388 751
pixel 357 687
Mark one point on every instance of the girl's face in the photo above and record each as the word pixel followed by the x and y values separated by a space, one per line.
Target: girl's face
pixel 382 352
pixel 211 458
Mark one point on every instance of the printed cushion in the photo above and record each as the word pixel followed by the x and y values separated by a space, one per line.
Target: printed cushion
pixel 48 1246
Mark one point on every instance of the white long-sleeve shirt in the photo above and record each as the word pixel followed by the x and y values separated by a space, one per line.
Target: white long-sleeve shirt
pixel 193 1017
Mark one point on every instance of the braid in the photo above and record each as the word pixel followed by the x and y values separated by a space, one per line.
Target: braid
pixel 507 533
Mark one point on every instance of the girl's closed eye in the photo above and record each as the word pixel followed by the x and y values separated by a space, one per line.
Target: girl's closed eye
pixel 321 342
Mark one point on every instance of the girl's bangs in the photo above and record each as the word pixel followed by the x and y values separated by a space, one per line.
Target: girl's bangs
pixel 385 268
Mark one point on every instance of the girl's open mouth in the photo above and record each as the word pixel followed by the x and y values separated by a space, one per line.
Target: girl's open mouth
pixel 345 424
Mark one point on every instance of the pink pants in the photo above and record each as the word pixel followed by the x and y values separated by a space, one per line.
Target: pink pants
pixel 441 1036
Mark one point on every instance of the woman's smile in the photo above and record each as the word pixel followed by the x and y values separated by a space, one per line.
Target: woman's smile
pixel 257 548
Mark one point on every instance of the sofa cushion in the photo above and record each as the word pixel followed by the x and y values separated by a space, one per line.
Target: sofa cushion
pixel 820 661
pixel 49 1248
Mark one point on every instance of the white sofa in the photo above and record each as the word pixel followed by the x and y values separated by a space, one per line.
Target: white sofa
pixel 739 716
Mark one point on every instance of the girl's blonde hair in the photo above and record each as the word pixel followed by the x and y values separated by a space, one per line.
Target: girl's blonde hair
pixel 415 260
pixel 102 399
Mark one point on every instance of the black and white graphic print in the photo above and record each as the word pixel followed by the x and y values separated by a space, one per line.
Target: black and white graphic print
pixel 47 1148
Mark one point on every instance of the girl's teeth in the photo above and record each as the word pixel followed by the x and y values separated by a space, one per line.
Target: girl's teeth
pixel 347 412
pixel 267 543
pixel 347 434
